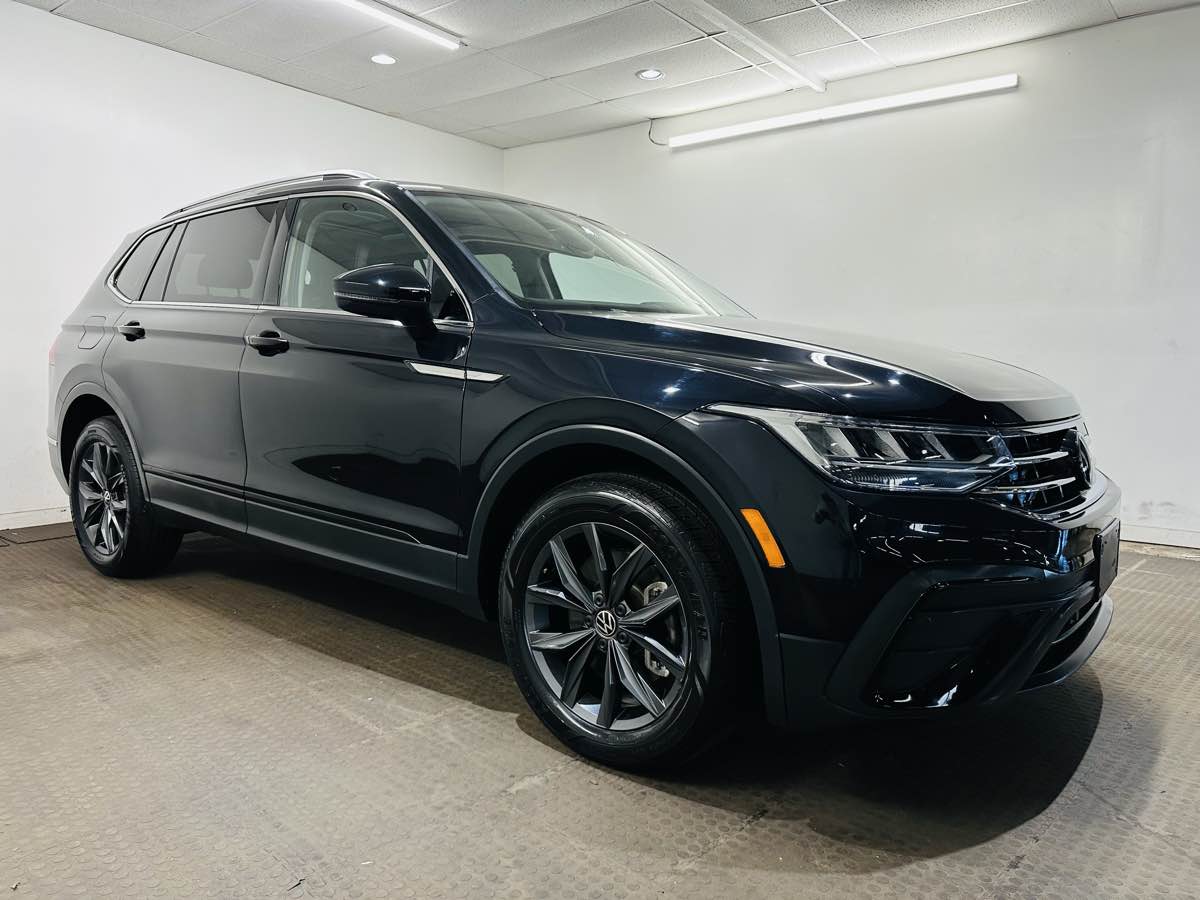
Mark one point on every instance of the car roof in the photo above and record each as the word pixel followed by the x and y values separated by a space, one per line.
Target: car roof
pixel 336 178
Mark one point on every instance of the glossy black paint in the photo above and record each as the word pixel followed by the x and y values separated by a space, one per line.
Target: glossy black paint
pixel 361 441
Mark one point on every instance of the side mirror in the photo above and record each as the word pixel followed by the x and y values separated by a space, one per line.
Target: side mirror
pixel 385 291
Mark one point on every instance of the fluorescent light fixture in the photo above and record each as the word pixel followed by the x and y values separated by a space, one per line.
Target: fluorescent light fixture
pixel 383 59
pixel 848 110
pixel 392 16
pixel 649 74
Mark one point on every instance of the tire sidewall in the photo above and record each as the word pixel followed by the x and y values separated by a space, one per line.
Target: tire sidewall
pixel 655 526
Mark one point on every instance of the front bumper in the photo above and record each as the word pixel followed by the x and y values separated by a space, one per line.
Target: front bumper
pixel 975 616
pixel 897 605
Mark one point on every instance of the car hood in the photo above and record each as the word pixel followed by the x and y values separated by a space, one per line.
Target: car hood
pixel 799 366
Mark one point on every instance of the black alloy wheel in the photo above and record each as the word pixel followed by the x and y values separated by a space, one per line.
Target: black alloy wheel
pixel 102 495
pixel 114 524
pixel 619 614
pixel 606 626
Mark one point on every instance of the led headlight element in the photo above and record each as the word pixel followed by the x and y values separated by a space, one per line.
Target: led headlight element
pixel 886 456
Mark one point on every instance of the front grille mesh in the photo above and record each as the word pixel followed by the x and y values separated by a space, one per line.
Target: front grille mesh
pixel 1051 471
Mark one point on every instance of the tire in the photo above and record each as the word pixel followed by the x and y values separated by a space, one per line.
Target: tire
pixel 671 626
pixel 113 520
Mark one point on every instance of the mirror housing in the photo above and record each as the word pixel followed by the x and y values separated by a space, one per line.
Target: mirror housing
pixel 386 291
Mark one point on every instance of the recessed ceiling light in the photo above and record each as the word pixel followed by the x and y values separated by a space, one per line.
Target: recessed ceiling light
pixel 649 74
pixel 383 59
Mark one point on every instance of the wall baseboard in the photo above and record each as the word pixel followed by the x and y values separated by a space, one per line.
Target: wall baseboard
pixel 30 517
pixel 1153 534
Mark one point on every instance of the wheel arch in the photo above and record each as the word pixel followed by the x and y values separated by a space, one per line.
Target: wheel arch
pixel 86 402
pixel 516 483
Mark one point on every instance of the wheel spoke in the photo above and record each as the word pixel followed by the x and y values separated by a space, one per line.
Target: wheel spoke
pixel 550 641
pixel 573 677
pixel 634 683
pixel 593 536
pixel 651 610
pixel 548 596
pixel 91 513
pixel 97 471
pixel 657 650
pixel 118 526
pixel 103 537
pixel 119 505
pixel 610 697
pixel 89 493
pixel 568 574
pixel 630 566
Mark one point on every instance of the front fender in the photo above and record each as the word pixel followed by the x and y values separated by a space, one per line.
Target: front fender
pixel 701 490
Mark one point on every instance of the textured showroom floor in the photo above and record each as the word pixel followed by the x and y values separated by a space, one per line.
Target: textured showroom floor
pixel 245 726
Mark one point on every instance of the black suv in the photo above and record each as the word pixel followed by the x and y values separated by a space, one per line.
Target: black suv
pixel 673 508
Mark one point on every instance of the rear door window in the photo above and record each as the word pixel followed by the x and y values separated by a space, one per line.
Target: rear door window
pixel 137 265
pixel 223 257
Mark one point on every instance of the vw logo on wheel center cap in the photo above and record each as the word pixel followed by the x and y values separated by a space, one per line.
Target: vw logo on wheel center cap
pixel 606 623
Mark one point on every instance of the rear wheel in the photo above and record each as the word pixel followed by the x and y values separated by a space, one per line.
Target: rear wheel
pixel 112 519
pixel 618 616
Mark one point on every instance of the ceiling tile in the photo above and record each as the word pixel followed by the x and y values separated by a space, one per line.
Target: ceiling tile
pixel 680 65
pixel 582 120
pixel 101 15
pixel 1137 7
pixel 800 32
pixel 495 138
pixel 42 4
pixel 868 18
pixel 747 84
pixel 186 14
pixel 991 29
pixel 350 61
pixel 617 35
pixel 472 76
pixel 442 121
pixel 223 54
pixel 843 61
pixel 285 29
pixel 537 99
pixel 494 22
pixel 753 10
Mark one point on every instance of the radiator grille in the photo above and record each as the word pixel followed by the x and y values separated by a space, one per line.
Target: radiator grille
pixel 1051 471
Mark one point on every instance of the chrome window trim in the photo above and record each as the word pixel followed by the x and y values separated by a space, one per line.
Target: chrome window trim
pixel 333 192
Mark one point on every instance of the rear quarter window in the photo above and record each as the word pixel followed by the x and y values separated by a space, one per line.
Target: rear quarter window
pixel 133 272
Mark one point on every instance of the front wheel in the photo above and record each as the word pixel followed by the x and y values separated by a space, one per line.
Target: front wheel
pixel 618 614
pixel 112 519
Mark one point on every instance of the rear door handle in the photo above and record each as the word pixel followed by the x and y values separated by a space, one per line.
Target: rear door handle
pixel 268 343
pixel 132 331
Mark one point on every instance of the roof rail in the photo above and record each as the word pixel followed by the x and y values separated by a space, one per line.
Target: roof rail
pixel 281 182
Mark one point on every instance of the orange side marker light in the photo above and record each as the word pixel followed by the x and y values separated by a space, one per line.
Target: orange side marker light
pixel 766 540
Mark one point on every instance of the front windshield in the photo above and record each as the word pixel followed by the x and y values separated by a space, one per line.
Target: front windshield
pixel 549 259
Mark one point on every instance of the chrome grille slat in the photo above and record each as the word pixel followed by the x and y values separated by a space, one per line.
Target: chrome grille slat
pixel 1047 474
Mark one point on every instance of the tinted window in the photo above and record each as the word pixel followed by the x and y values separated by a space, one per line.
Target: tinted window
pixel 222 258
pixel 137 265
pixel 332 235
pixel 153 291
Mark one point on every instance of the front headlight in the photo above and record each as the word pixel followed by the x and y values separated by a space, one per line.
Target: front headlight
pixel 886 456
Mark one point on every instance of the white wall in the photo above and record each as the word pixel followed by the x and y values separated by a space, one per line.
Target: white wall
pixel 100 134
pixel 1057 227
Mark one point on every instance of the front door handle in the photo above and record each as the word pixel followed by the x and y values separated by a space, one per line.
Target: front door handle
pixel 268 343
pixel 132 331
